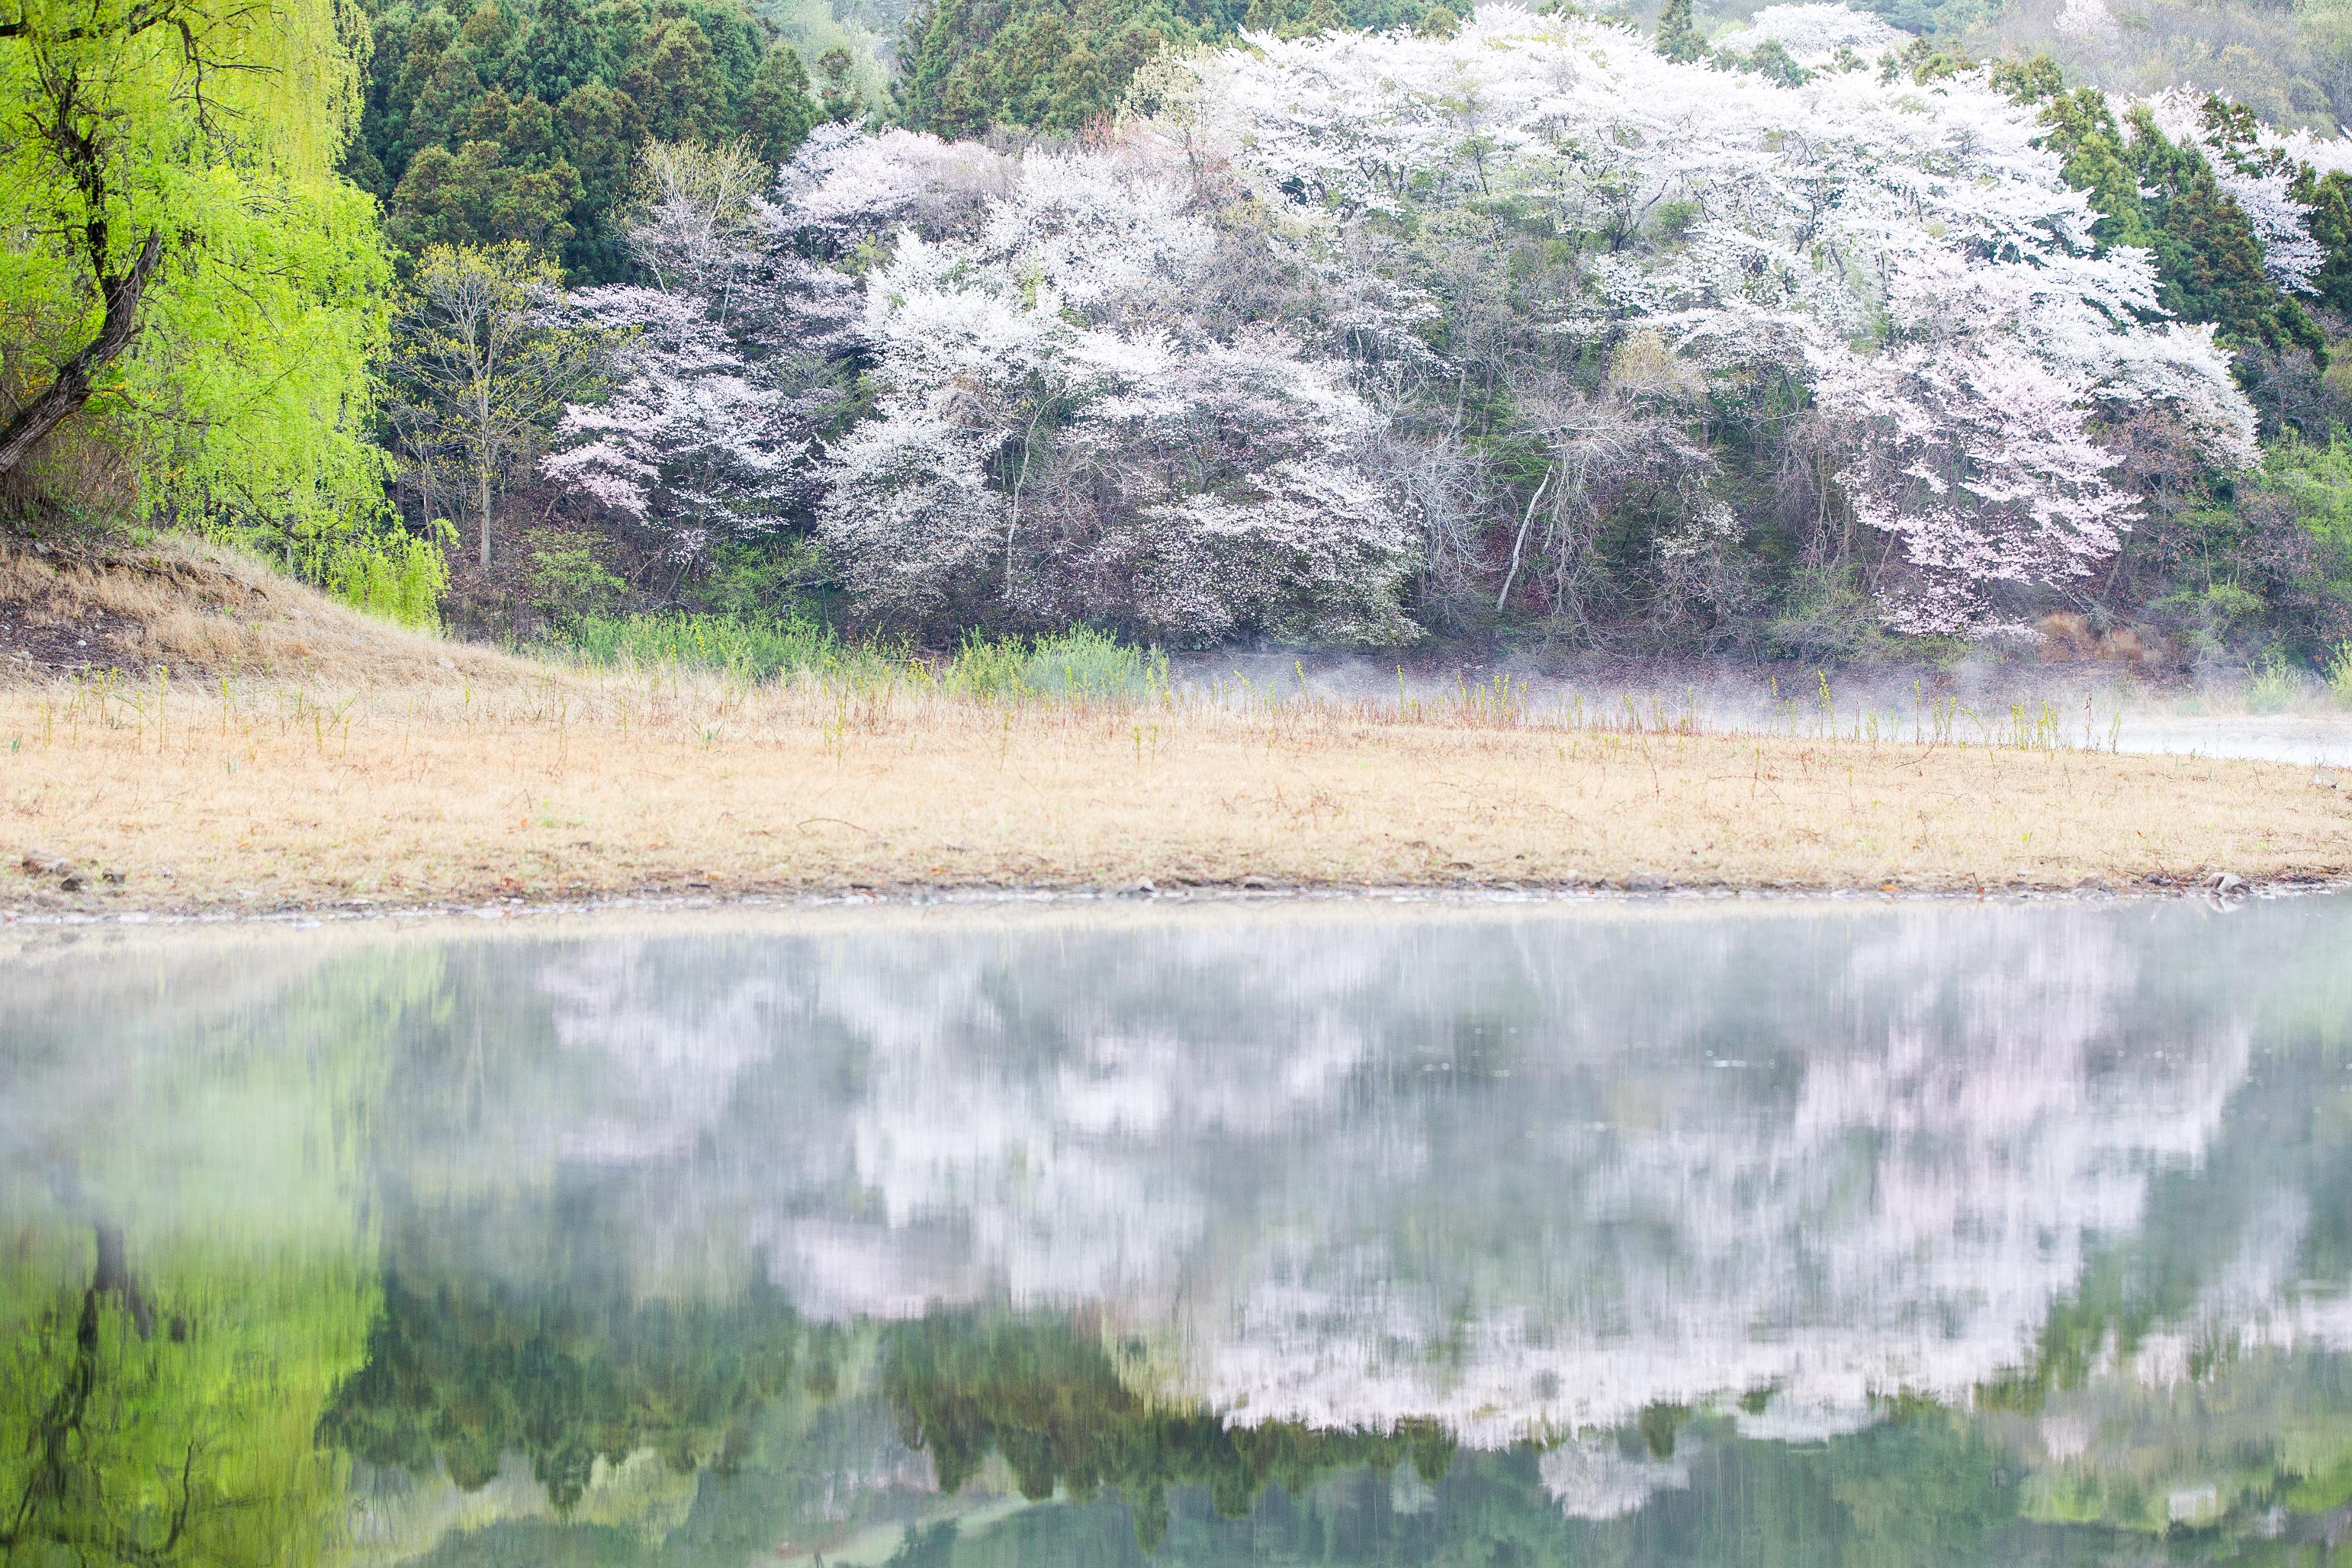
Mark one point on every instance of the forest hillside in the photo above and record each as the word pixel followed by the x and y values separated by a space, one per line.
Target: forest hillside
pixel 1813 333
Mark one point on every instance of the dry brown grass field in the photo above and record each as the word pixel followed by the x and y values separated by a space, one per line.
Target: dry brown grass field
pixel 266 749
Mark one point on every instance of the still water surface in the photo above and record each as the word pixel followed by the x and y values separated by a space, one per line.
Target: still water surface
pixel 1805 1233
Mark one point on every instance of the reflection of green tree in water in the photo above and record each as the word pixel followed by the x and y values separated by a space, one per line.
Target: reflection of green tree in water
pixel 2252 1446
pixel 467 1371
pixel 1049 1400
pixel 161 1413
pixel 1919 1491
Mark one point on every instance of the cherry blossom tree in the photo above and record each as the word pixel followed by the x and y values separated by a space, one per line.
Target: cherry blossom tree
pixel 1907 250
pixel 719 382
pixel 1524 320
pixel 1818 34
pixel 691 441
pixel 1060 435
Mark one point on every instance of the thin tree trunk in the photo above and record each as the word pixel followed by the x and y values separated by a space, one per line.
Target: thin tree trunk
pixel 72 385
pixel 485 448
pixel 1521 542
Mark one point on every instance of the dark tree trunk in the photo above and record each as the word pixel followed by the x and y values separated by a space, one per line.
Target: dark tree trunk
pixel 72 385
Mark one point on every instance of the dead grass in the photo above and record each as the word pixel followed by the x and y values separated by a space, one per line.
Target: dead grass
pixel 254 796
pixel 203 610
pixel 328 760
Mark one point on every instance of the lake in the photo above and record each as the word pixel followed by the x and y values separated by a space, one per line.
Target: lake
pixel 1666 1231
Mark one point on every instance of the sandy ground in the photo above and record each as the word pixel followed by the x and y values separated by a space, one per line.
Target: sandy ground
pixel 255 796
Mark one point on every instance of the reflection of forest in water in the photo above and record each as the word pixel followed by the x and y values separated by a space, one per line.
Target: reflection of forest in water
pixel 1877 1233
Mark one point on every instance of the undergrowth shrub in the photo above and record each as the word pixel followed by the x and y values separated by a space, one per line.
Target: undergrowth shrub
pixel 2276 685
pixel 746 647
pixel 1079 665
pixel 568 579
pixel 2338 672
pixel 398 575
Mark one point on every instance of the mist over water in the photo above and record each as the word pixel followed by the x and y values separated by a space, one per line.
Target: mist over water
pixel 2085 705
pixel 1622 1227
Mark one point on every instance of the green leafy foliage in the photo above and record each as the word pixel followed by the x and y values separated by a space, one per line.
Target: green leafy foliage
pixel 966 66
pixel 388 572
pixel 2268 563
pixel 479 375
pixel 487 123
pixel 182 255
pixel 2314 483
pixel 569 579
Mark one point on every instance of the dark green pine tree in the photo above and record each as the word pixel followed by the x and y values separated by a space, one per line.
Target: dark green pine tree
pixel 928 55
pixel 2207 255
pixel 778 111
pixel 2083 132
pixel 488 40
pixel 600 130
pixel 1084 91
pixel 838 97
pixel 967 65
pixel 2330 201
pixel 1678 37
pixel 404 59
pixel 2149 191
pixel 563 52
pixel 442 110
pixel 507 179
pixel 675 81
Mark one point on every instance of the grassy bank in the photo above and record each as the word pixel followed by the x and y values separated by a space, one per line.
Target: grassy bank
pixel 254 796
pixel 267 750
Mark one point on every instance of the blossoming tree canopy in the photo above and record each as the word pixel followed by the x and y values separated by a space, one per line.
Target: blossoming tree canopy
pixel 1323 318
pixel 1910 245
pixel 1817 34
pixel 1056 408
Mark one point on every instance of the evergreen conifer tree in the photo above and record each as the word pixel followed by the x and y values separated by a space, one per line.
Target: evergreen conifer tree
pixel 2206 252
pixel 2162 196
pixel 562 53
pixel 600 129
pixel 2330 201
pixel 1678 35
pixel 677 81
pixel 778 110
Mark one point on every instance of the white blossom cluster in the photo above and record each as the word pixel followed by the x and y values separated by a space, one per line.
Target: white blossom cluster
pixel 2087 21
pixel 1819 33
pixel 689 431
pixel 1911 246
pixel 707 431
pixel 1056 416
pixel 1180 379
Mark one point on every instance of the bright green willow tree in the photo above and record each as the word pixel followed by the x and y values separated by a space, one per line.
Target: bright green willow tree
pixel 187 285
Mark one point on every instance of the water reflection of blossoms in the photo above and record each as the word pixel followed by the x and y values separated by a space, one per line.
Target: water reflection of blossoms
pixel 1450 1226
pixel 1800 1163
